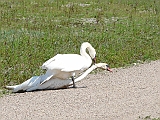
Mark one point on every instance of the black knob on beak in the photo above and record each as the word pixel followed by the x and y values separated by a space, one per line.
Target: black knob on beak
pixel 94 60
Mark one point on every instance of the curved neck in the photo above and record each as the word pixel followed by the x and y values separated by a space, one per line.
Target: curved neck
pixel 84 53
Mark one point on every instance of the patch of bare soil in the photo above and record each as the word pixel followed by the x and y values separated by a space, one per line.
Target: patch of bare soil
pixel 126 94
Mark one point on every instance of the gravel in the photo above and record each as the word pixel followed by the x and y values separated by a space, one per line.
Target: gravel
pixel 130 93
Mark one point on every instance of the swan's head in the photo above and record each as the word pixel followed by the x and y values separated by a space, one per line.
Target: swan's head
pixel 104 66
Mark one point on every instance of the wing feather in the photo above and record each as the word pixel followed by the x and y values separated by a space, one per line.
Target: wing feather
pixel 65 62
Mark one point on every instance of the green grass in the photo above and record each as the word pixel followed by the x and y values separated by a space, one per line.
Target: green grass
pixel 148 118
pixel 121 31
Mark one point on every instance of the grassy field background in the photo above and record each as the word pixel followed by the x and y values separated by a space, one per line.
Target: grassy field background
pixel 32 31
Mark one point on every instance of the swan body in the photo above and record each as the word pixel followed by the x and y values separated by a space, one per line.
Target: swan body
pixel 34 83
pixel 64 66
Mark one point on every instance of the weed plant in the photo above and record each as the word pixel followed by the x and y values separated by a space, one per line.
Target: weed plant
pixel 32 31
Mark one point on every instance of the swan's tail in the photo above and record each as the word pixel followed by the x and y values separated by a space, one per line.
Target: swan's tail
pixel 10 87
pixel 30 84
pixel 14 88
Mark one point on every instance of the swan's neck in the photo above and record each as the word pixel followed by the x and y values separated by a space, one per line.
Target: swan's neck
pixel 86 73
pixel 84 53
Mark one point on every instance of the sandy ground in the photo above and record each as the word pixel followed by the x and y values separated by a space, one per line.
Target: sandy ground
pixel 126 94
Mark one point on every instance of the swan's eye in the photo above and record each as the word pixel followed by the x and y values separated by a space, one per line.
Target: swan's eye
pixel 107 65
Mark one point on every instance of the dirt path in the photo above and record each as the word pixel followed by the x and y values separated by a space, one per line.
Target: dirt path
pixel 125 94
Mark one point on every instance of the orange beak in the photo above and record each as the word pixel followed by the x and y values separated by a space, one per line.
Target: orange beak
pixel 109 69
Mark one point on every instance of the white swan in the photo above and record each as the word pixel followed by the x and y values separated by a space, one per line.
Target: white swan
pixel 34 83
pixel 64 66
